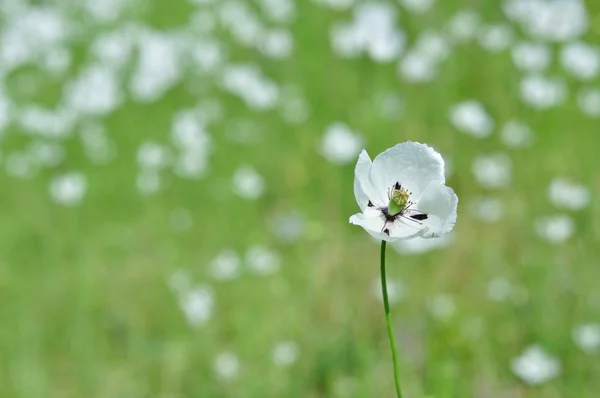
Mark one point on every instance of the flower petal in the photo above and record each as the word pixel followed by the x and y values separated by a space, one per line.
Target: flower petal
pixel 402 230
pixel 440 203
pixel 363 190
pixel 412 164
pixel 372 222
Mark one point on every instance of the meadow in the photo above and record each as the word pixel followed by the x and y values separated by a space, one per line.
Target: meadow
pixel 176 180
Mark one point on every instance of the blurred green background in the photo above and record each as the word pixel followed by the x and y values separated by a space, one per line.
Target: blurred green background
pixel 177 182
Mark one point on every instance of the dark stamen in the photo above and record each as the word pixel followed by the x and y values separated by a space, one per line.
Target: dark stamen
pixel 386 231
pixel 398 186
pixel 370 204
pixel 419 216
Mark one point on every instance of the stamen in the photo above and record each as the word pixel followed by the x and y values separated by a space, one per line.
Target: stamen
pixel 370 204
pixel 386 231
pixel 422 216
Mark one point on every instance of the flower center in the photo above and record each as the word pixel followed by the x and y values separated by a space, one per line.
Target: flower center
pixel 398 200
pixel 399 206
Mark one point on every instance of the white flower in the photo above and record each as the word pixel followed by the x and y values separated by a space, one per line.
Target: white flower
pixel 247 183
pixel 531 56
pixel 197 305
pixel 587 337
pixel 555 229
pixel 402 194
pixel 340 144
pixel 499 289
pixel 580 60
pixel 493 171
pixel 226 265
pixel 535 366
pixel 69 189
pixel 285 353
pixel 579 196
pixel 470 117
pixel 588 100
pixel 541 92
pixel 516 134
pixel 487 209
pixel 226 366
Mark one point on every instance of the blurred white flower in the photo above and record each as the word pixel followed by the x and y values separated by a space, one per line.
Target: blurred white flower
pixel 587 337
pixel 337 5
pixel 569 195
pixel 288 227
pixel 531 56
pixel 153 156
pixel 262 261
pixel 470 117
pixel 373 31
pixel 340 145
pixel 247 183
pixel 557 20
pixel 493 171
pixel 247 82
pixel 226 266
pixel 276 43
pixel 555 229
pixel 442 307
pixel 179 282
pixel 416 67
pixel 396 289
pixel 417 6
pixel 390 105
pixel 226 366
pixel 148 182
pixel 516 134
pixel 51 123
pixel 419 245
pixel 68 189
pixel 95 92
pixel 45 153
pixel 495 38
pixel 487 209
pixel 207 55
pixel 158 67
pixel 384 188
pixel 588 100
pixel 580 60
pixel 285 353
pixel 197 305
pixel 499 289
pixel 463 26
pixel 541 92
pixel 280 11
pixel 534 366
pixel 21 165
pixel 434 45
pixel 113 49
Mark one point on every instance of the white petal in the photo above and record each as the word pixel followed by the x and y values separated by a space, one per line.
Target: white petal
pixel 412 164
pixel 372 223
pixel 440 203
pixel 363 190
pixel 401 230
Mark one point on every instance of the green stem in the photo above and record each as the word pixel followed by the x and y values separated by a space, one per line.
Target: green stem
pixel 388 318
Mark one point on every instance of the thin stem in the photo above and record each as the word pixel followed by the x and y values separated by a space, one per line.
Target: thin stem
pixel 388 318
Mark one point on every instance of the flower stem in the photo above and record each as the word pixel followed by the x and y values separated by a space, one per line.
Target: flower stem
pixel 388 318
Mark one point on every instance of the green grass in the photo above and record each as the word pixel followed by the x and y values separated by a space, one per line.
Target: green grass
pixel 85 309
